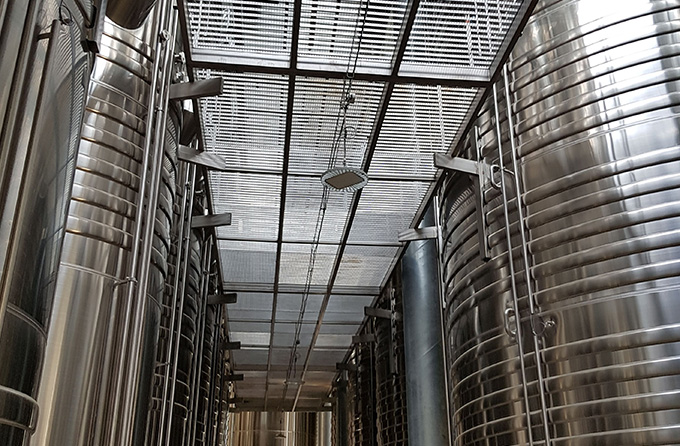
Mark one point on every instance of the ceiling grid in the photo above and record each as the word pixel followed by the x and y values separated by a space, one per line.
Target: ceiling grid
pixel 421 69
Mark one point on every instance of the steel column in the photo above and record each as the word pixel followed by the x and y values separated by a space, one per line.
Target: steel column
pixel 423 344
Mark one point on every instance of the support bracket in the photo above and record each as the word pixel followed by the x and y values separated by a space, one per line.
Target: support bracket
pixel 413 234
pixel 210 221
pixel 221 299
pixel 481 175
pixel 205 159
pixel 346 366
pixel 198 89
pixel 381 313
pixel 227 345
pixel 364 338
pixel 232 378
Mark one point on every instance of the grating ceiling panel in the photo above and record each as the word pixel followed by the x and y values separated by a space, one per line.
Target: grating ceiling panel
pixel 245 28
pixel 295 260
pixel 421 120
pixel 303 200
pixel 247 262
pixel 246 125
pixel 250 357
pixel 365 265
pixel 289 305
pixel 458 38
pixel 329 33
pixel 316 125
pixel 385 209
pixel 252 199
pixel 251 339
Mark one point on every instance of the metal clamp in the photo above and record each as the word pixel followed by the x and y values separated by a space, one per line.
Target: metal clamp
pixel 481 176
pixel 509 314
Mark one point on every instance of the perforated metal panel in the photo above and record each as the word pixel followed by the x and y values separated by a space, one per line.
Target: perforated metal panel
pixel 420 71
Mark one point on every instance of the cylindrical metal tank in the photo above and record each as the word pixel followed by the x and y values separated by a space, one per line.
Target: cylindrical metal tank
pixel 78 395
pixel 44 72
pixel 593 92
pixel 273 429
pixel 391 420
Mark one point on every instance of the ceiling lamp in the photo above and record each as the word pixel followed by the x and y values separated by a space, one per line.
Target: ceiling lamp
pixel 344 178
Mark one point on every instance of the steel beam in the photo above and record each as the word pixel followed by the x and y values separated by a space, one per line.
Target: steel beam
pixel 210 221
pixel 221 299
pixel 208 160
pixel 196 89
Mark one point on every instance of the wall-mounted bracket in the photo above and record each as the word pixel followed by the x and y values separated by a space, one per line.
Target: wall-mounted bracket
pixel 232 378
pixel 210 221
pixel 382 313
pixel 480 173
pixel 198 89
pixel 231 345
pixel 205 159
pixel 413 234
pixel 221 299
pixel 364 338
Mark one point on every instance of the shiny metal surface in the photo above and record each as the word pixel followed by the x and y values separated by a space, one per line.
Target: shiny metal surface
pixel 324 429
pixel 390 370
pixel 592 87
pixel 423 343
pixel 129 13
pixel 41 106
pixel 78 390
pixel 273 429
pixel 362 396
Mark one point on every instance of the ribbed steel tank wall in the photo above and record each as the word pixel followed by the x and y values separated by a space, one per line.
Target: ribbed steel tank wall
pixel 78 395
pixel 273 428
pixel 594 98
pixel 391 420
pixel 42 98
pixel 363 396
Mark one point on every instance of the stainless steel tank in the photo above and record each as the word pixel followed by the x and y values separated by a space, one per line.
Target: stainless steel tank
pixel 44 71
pixel 78 397
pixel 596 138
pixel 273 429
pixel 363 397
pixel 390 377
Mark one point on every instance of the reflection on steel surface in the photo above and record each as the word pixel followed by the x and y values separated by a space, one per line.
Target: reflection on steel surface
pixel 42 98
pixel 593 96
pixel 277 428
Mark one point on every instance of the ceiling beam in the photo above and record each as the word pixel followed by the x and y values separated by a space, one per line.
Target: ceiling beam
pixel 295 35
pixel 213 63
pixel 397 58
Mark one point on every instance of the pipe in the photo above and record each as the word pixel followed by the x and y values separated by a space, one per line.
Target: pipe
pixel 185 238
pixel 423 344
pixel 513 282
pixel 128 384
pixel 525 257
pixel 195 382
pixel 129 13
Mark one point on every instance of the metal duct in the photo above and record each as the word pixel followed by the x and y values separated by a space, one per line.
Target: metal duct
pixel 423 343
pixel 273 429
pixel 129 14
pixel 390 372
pixel 90 363
pixel 594 155
pixel 42 97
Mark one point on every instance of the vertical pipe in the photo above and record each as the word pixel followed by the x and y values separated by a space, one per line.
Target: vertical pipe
pixel 137 288
pixel 423 344
pixel 511 266
pixel 174 344
pixel 525 258
pixel 198 364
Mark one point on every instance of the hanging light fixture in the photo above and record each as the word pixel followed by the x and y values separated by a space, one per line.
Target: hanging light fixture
pixel 345 177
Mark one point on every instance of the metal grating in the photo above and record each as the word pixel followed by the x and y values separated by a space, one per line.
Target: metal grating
pixel 246 126
pixel 247 262
pixel 315 122
pixel 303 198
pixel 328 29
pixel 421 120
pixel 460 38
pixel 421 68
pixel 252 199
pixel 295 262
pixel 365 265
pixel 385 209
pixel 241 29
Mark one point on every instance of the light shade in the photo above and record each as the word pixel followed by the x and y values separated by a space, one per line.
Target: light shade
pixel 344 178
